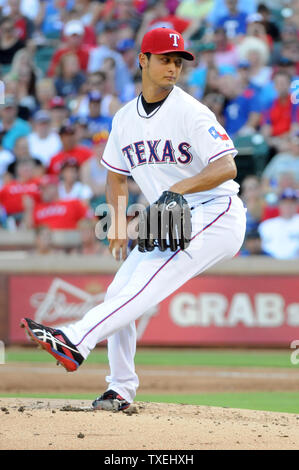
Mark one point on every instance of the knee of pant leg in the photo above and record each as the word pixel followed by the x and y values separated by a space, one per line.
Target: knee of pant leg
pixel 110 292
pixel 113 289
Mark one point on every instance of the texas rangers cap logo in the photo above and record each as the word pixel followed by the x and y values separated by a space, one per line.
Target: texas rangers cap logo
pixel 163 41
pixel 175 37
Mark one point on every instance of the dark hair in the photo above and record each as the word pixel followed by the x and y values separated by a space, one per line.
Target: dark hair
pixel 148 54
pixel 262 8
pixel 283 72
pixel 6 19
pixel 99 73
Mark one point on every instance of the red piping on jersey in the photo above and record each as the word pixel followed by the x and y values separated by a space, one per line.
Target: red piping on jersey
pixel 114 167
pixel 148 282
pixel 214 156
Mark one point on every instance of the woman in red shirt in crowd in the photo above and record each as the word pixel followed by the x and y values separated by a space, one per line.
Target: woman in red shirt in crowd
pixel 25 184
pixel 70 150
pixel 51 212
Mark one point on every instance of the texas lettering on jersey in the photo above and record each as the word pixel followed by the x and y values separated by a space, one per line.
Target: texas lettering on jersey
pixel 157 151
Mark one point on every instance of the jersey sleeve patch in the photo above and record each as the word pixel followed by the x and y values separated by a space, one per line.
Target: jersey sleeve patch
pixel 217 135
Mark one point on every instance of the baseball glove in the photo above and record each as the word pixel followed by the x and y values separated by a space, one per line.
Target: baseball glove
pixel 165 224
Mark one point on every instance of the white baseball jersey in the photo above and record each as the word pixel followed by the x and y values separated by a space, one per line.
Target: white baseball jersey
pixel 172 143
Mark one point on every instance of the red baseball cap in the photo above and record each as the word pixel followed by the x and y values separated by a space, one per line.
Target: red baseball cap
pixel 164 40
pixel 57 102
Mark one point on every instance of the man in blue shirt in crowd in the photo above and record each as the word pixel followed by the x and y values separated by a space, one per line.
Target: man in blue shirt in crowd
pixel 242 110
pixel 220 9
pixel 94 121
pixel 234 22
pixel 13 126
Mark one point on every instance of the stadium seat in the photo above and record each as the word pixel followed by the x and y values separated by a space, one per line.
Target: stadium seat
pixel 253 153
pixel 43 56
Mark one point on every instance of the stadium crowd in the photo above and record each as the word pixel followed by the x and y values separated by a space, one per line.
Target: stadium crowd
pixel 66 67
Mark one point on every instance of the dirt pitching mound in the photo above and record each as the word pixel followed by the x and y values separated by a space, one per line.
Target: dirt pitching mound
pixel 72 424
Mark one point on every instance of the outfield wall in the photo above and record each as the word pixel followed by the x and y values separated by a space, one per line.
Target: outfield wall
pixel 244 302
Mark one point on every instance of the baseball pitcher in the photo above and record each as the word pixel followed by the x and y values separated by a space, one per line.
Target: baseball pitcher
pixel 183 161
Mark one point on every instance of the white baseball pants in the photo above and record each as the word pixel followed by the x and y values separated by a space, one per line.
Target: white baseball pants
pixel 145 279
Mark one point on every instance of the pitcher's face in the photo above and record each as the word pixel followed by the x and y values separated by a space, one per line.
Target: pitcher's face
pixel 162 70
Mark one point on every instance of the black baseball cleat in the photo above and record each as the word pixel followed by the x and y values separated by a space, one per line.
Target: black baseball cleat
pixel 55 342
pixel 110 401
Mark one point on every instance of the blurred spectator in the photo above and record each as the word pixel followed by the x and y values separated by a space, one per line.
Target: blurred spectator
pixel 73 32
pixel 252 197
pixel 6 157
pixel 127 48
pixel 81 131
pixel 194 9
pixel 105 50
pixel 282 115
pixel 69 79
pixel 234 22
pixel 43 142
pixel 253 245
pixel 25 93
pixel 10 42
pixel 28 8
pixel 50 211
pixel 26 74
pixel 52 16
pixel 88 11
pixel 280 235
pixel 12 193
pixel 271 28
pixel 21 152
pixel 255 51
pixel 22 24
pixel 197 78
pixel 89 36
pixel 13 126
pixel 219 9
pixel 58 111
pixel 93 173
pixel 216 59
pixel 97 82
pixel 159 16
pixel 45 92
pixel 289 50
pixel 95 121
pixel 289 32
pixel 44 241
pixel 89 244
pixel 283 64
pixel 226 53
pixel 212 81
pixel 69 186
pixel 242 110
pixel 256 28
pixel 122 13
pixel 69 149
pixel 286 162
pixel 215 102
pixel 285 181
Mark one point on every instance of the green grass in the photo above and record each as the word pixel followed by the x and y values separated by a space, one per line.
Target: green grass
pixel 286 402
pixel 177 357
